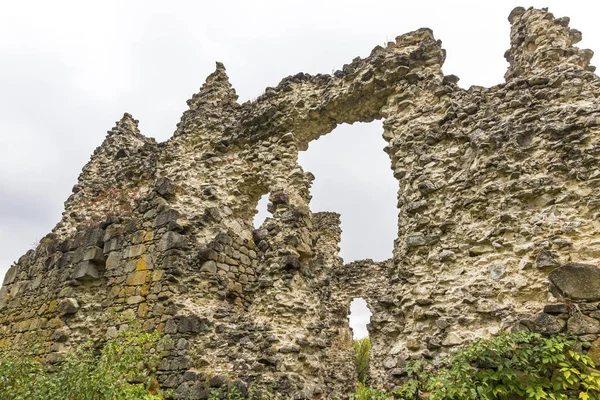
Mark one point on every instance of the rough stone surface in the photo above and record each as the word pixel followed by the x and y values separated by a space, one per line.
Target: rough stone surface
pixel 594 352
pixel 546 324
pixel 580 324
pixel 577 281
pixel 497 187
pixel 68 306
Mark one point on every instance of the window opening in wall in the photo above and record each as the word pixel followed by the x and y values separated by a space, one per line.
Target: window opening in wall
pixel 359 318
pixel 262 214
pixel 353 178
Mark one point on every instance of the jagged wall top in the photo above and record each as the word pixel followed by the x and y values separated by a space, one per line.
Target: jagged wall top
pixel 539 42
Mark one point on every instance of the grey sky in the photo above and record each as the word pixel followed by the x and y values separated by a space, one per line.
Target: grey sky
pixel 69 69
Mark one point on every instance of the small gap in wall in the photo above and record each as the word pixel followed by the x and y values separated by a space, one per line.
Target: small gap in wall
pixel 359 319
pixel 263 214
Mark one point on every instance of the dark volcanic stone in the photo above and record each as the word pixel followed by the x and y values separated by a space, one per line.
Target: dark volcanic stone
pixel 577 281
pixel 545 324
pixel 580 324
pixel 556 309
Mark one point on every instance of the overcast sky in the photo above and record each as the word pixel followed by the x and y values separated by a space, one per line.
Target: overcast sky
pixel 69 69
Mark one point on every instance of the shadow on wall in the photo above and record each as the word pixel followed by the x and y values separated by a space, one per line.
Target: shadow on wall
pixel 353 178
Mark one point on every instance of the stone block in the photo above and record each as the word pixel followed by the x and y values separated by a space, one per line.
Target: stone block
pixel 157 275
pixel 452 339
pixel 10 275
pixel 68 306
pixel 556 309
pixel 447 255
pixel 138 237
pixel 112 261
pixel 166 217
pixel 111 332
pixel 210 267
pixel 136 278
pixel 587 307
pixel 112 245
pixel 165 188
pixel 61 335
pixel 208 253
pixel 390 363
pixel 94 254
pixel 86 270
pixel 134 251
pixel 480 250
pixel 496 270
pixel 594 352
pixel 192 324
pixel 545 324
pixel 580 324
pixel 545 259
pixel 3 296
pixel 171 326
pixel 93 237
pixel 290 263
pixel 134 299
pixel 419 240
pixel 192 391
pixel 172 240
pixel 259 235
pixel 187 324
pixel 142 264
pixel 111 231
pixel 577 281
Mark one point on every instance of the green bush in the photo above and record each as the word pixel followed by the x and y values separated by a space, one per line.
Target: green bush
pixel 362 353
pixel 124 369
pixel 366 393
pixel 522 365
pixel 231 391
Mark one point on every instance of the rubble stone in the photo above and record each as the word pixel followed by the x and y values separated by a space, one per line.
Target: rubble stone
pixel 496 188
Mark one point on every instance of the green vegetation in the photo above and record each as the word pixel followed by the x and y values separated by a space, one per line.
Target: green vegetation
pixel 234 391
pixel 522 365
pixel 362 353
pixel 123 369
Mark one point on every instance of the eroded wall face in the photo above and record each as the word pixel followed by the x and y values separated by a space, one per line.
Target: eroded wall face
pixel 497 223
pixel 497 189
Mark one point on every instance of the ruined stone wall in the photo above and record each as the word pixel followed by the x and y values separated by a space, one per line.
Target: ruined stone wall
pixel 497 227
pixel 497 190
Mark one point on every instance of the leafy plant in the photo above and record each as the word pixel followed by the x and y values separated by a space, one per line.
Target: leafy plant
pixel 362 354
pixel 124 369
pixel 521 365
pixel 366 393
pixel 232 391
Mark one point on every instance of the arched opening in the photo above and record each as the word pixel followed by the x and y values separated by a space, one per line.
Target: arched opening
pixel 359 319
pixel 353 177
pixel 262 212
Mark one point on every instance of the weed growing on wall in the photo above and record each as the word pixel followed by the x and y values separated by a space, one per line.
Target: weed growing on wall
pixel 362 354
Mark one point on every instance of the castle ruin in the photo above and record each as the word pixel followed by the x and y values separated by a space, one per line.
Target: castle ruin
pixel 498 223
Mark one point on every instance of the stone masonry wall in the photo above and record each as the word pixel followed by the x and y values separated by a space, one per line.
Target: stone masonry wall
pixel 497 227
